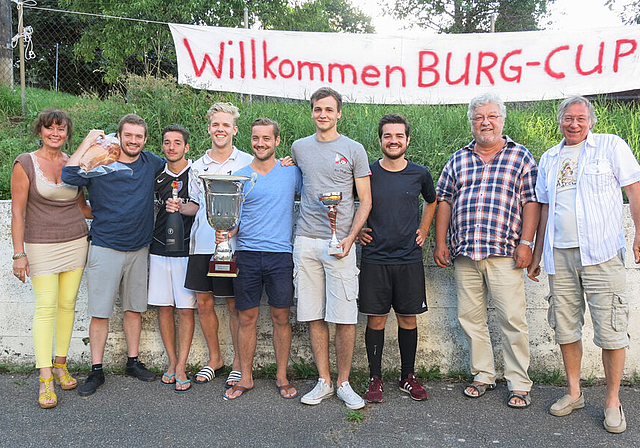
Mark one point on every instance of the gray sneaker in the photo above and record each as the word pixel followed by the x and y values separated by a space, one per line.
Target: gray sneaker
pixel 318 393
pixel 350 398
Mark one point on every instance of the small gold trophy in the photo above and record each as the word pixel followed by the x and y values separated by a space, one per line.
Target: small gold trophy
pixel 331 200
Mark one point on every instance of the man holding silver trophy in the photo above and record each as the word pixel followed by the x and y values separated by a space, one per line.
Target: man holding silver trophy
pixel 325 274
pixel 222 158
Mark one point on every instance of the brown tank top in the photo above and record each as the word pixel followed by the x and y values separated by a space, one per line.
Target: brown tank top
pixel 47 220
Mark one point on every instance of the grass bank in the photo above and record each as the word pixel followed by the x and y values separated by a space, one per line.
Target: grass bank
pixel 436 131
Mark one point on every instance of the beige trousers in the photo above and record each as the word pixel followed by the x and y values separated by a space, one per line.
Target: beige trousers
pixel 498 277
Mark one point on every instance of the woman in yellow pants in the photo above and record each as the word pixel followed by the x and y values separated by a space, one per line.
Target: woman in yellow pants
pixel 49 232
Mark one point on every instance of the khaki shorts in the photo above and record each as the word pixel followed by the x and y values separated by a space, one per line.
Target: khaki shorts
pixel 326 287
pixel 604 286
pixel 112 272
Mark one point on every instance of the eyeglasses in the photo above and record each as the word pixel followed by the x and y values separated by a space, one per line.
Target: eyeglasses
pixel 481 118
pixel 568 119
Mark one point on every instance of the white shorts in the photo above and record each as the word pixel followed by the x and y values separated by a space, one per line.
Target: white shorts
pixel 166 282
pixel 326 287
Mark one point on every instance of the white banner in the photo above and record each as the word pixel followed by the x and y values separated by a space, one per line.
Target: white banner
pixel 433 69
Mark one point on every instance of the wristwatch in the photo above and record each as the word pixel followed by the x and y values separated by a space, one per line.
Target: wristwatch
pixel 527 243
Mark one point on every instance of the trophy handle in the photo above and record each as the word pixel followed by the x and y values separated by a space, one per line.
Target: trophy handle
pixel 194 173
pixel 254 179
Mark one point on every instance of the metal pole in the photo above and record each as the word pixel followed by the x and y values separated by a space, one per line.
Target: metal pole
pixel 493 23
pixel 57 45
pixel 246 26
pixel 21 48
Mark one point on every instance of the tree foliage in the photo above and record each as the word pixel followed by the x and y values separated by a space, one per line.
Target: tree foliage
pixel 471 16
pixel 321 16
pixel 123 46
pixel 628 11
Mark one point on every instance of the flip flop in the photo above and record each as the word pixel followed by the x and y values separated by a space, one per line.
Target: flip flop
pixel 286 388
pixel 208 373
pixel 481 388
pixel 234 375
pixel 524 397
pixel 170 376
pixel 182 383
pixel 234 388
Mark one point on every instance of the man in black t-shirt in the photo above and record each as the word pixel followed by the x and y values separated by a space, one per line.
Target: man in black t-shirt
pixel 167 269
pixel 391 272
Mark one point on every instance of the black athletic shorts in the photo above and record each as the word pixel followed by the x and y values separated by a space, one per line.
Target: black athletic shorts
pixel 197 279
pixel 399 285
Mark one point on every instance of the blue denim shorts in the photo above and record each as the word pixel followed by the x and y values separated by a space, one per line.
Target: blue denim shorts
pixel 271 271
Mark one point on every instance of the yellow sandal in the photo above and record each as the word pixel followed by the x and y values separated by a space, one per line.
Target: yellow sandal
pixel 66 381
pixel 48 394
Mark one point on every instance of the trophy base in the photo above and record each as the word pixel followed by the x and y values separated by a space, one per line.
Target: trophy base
pixel 223 268
pixel 334 250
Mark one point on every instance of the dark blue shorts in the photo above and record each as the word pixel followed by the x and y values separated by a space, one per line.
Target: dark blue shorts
pixel 272 271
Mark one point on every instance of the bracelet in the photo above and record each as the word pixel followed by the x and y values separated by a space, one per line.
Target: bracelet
pixel 19 255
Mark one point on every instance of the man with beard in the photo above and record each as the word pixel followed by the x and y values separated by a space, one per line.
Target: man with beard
pixel 120 235
pixel 487 201
pixel 391 269
pixel 263 255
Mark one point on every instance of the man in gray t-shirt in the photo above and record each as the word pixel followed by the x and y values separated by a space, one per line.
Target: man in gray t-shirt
pixel 327 285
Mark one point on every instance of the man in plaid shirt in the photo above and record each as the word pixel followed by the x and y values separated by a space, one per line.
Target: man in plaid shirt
pixel 487 201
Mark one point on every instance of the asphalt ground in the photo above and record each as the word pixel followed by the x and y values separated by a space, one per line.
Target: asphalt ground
pixel 128 412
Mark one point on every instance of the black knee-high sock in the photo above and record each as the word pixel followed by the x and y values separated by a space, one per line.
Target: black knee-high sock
pixel 408 342
pixel 374 340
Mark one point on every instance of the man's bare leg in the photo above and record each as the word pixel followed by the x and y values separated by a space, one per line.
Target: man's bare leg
pixel 613 361
pixel 209 325
pixel 245 349
pixel 168 334
pixel 98 332
pixel 186 325
pixel 282 348
pixel 345 342
pixel 234 325
pixel 572 358
pixel 132 324
pixel 319 335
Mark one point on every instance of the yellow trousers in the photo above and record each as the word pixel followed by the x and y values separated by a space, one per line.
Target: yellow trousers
pixel 55 309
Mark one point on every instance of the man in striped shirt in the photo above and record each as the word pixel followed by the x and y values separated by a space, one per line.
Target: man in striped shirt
pixel 486 196
pixel 581 239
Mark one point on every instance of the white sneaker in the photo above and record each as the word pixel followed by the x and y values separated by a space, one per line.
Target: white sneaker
pixel 318 393
pixel 350 398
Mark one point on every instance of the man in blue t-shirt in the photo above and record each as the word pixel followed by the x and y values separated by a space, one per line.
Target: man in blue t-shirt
pixel 120 235
pixel 264 254
pixel 391 270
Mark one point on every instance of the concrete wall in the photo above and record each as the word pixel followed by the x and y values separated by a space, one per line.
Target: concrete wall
pixel 441 341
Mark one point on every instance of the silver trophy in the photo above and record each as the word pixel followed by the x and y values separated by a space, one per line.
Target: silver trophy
pixel 223 201
pixel 331 200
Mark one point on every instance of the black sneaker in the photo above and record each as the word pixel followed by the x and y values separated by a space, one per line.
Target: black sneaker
pixel 91 384
pixel 138 370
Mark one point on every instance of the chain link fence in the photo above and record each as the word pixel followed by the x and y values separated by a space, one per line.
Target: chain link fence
pixel 50 60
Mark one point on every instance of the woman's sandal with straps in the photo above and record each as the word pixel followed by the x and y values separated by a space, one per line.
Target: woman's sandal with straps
pixel 44 399
pixel 66 381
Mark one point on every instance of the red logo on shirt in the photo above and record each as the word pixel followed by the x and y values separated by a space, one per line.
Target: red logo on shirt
pixel 341 160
